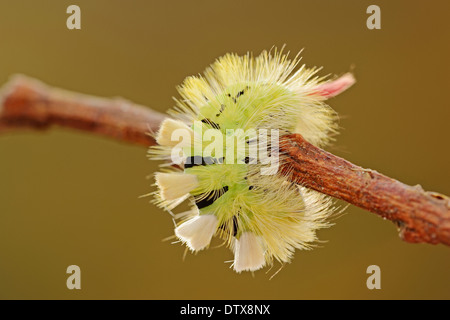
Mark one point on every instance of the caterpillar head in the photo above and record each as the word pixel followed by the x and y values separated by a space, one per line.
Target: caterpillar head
pixel 223 139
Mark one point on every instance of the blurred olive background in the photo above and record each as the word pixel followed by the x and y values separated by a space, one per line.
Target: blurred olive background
pixel 68 197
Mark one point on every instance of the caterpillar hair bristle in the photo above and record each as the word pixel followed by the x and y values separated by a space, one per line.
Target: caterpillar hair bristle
pixel 198 231
pixel 167 128
pixel 175 185
pixel 228 165
pixel 249 253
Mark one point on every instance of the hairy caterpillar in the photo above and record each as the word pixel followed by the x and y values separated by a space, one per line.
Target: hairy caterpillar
pixel 223 134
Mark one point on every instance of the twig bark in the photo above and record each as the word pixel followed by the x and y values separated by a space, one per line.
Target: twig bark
pixel 420 216
pixel 29 103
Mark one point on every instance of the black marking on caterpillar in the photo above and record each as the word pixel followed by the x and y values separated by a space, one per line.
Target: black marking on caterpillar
pixel 201 161
pixel 248 160
pixel 235 226
pixel 203 200
pixel 222 107
pixel 234 99
pixel 211 123
pixel 240 93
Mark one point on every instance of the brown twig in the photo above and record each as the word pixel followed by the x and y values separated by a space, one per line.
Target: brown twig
pixel 29 103
pixel 420 216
